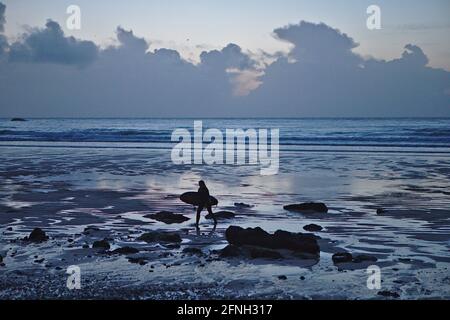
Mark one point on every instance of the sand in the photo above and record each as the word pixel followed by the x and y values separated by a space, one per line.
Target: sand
pixel 64 191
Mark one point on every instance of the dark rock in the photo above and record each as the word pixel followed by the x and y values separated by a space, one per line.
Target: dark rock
pixel 262 253
pixel 307 207
pixel 363 258
pixel 342 257
pixel 102 244
pixel 230 251
pixel 9 229
pixel 1 259
pixel 297 242
pixel 39 260
pixel 125 250
pixel 381 211
pixel 37 235
pixel 221 215
pixel 192 250
pixel 18 119
pixel 242 205
pixel 388 294
pixel 85 246
pixel 302 278
pixel 156 236
pixel 167 217
pixel 312 227
pixel 282 277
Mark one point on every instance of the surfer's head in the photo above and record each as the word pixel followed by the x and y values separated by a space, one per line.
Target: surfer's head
pixel 201 183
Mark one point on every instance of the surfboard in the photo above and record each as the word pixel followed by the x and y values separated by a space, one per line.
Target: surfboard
pixel 194 199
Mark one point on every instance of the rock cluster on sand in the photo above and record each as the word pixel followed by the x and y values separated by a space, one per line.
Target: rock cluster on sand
pixel 307 207
pixel 102 244
pixel 301 245
pixel 312 227
pixel 37 236
pixel 167 217
pixel 157 236
pixel 253 252
pixel 220 215
pixel 345 257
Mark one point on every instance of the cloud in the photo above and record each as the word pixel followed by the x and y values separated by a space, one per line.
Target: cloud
pixel 324 77
pixel 129 41
pixel 316 42
pixel 49 45
pixel 129 79
pixel 229 57
pixel 320 76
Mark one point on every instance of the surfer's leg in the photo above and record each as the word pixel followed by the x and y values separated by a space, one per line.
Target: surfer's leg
pixel 199 210
pixel 212 214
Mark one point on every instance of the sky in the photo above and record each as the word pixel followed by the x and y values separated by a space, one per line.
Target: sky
pixel 190 26
pixel 224 58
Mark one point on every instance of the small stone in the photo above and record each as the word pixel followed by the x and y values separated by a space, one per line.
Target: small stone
pixel 363 258
pixel 155 236
pixel 342 257
pixel 307 207
pixel 37 236
pixel 312 227
pixel 102 244
pixel 167 217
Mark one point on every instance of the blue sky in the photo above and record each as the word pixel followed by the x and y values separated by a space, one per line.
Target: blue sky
pixel 224 59
pixel 211 24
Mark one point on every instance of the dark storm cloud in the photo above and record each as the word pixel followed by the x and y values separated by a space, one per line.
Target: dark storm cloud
pixel 323 77
pixel 320 76
pixel 49 45
pixel 229 57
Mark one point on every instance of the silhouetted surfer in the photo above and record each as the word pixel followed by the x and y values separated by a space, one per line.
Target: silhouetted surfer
pixel 203 193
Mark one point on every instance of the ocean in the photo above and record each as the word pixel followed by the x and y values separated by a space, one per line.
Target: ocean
pixel 327 134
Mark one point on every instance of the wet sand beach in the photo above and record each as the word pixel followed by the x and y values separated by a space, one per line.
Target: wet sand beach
pixel 82 195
